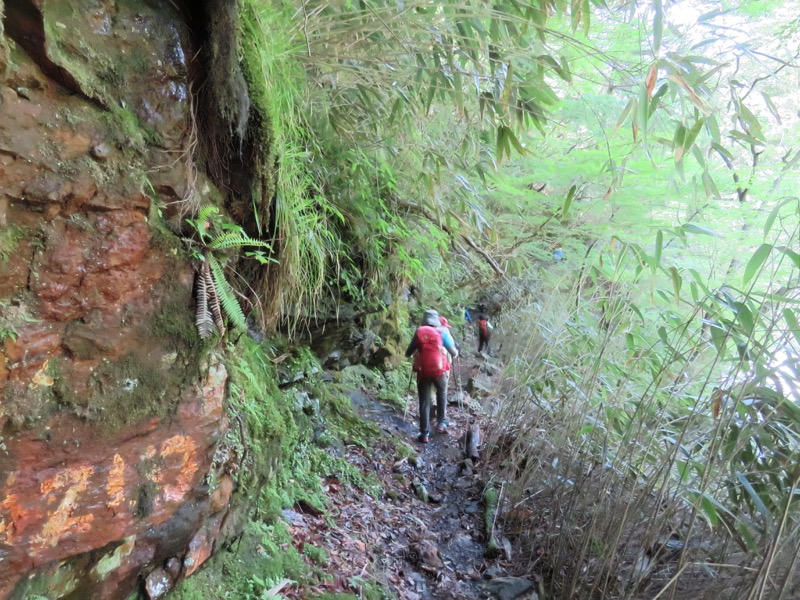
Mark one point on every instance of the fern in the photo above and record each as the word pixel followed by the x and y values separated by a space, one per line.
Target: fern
pixel 214 293
pixel 226 295
pixel 205 214
pixel 213 300
pixel 235 240
pixel 205 326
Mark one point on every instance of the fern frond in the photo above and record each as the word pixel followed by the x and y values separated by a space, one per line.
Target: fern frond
pixel 206 212
pixel 235 240
pixel 213 301
pixel 203 322
pixel 226 296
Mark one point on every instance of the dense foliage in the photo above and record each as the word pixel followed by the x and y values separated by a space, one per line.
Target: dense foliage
pixel 458 146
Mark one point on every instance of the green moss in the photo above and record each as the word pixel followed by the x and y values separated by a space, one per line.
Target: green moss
pixel 9 240
pixel 317 554
pixel 3 48
pixel 127 130
pixel 342 420
pixel 263 556
pixel 285 464
pixel 271 430
pixel 490 499
pixel 122 392
pixel 396 385
pixel 356 376
pixel 173 323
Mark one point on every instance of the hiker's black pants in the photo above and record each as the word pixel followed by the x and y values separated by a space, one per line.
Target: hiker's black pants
pixel 483 342
pixel 424 385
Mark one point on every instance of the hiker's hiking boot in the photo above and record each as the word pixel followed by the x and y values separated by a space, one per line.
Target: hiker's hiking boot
pixel 441 427
pixel 423 438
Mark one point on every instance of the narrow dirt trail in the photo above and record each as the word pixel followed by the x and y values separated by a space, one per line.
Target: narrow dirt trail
pixel 424 538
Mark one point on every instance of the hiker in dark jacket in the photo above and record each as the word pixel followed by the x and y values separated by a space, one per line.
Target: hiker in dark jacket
pixel 430 363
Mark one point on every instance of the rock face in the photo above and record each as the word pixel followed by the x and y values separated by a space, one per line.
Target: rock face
pixel 112 472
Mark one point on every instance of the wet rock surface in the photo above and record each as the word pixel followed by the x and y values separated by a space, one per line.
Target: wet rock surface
pixel 110 418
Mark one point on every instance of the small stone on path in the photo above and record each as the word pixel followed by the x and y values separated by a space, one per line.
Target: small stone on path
pixel 420 490
pixel 508 588
pixel 101 151
pixel 294 518
pixel 430 556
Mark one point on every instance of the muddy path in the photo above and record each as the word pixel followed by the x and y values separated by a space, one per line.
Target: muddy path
pixel 424 537
pixel 440 549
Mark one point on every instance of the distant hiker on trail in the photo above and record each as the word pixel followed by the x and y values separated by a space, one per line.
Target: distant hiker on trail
pixel 430 347
pixel 484 332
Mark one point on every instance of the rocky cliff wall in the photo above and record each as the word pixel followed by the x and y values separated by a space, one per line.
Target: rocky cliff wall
pixel 112 465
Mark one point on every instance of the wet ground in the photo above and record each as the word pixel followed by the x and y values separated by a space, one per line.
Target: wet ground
pixel 424 539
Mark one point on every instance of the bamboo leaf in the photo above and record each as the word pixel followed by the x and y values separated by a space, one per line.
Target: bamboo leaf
pixel 771 107
pixel 757 501
pixel 691 135
pixel 713 128
pixel 643 113
pixel 568 201
pixel 567 74
pixel 745 317
pixel 709 187
pixel 699 230
pixel 791 255
pixel 693 97
pixel 656 99
pixel 658 26
pixel 677 281
pixel 678 142
pixel 774 214
pixel 625 113
pixel 791 320
pixel 513 139
pixel 756 261
pixel 659 249
pixel 587 13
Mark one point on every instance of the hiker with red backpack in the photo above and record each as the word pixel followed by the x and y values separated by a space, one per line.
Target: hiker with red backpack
pixel 430 345
pixel 484 332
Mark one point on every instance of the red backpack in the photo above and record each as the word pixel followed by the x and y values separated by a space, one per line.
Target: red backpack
pixel 429 360
pixel 484 327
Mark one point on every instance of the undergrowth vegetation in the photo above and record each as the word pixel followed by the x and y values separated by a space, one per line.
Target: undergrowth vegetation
pixel 652 424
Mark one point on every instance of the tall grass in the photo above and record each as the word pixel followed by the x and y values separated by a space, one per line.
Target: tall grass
pixel 653 447
pixel 304 220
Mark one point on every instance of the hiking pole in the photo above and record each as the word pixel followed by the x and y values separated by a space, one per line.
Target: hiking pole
pixel 408 391
pixel 458 383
